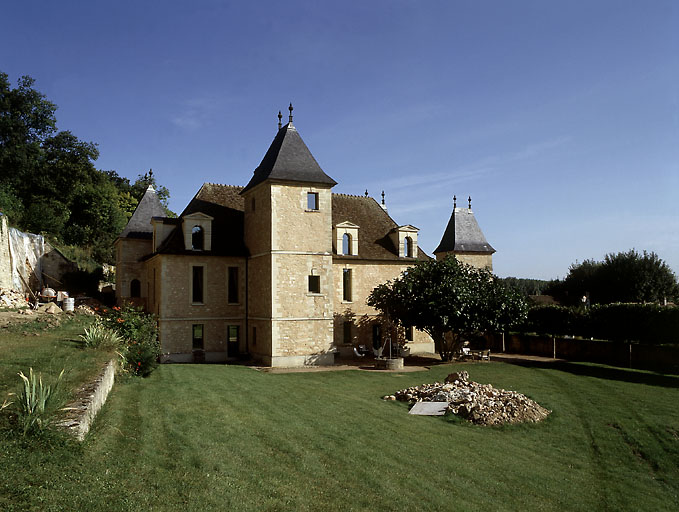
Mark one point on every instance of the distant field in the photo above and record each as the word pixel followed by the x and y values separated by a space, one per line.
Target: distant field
pixel 230 438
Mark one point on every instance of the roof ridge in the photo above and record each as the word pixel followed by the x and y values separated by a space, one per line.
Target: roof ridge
pixel 352 195
pixel 222 184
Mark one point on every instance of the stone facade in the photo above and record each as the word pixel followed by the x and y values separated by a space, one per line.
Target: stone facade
pixel 282 237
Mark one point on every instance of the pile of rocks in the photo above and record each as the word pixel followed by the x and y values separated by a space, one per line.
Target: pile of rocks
pixel 481 404
pixel 12 299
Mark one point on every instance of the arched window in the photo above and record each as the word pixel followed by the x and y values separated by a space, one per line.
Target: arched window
pixel 197 238
pixel 408 247
pixel 346 244
pixel 135 288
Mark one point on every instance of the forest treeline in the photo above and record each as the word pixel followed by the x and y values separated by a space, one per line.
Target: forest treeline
pixel 49 183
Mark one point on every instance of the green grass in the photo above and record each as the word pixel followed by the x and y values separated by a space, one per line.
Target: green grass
pixel 48 349
pixel 230 438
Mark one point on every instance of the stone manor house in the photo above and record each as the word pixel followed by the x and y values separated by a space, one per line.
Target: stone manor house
pixel 278 270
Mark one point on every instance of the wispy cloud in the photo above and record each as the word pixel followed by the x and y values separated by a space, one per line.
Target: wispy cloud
pixel 481 168
pixel 198 112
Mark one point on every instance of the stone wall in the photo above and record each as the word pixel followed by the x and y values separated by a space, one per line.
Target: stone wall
pixel 128 267
pixel 366 275
pixel 470 258
pixel 177 313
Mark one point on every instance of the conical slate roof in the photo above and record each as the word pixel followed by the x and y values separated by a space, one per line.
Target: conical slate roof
pixel 139 225
pixel 289 159
pixel 463 234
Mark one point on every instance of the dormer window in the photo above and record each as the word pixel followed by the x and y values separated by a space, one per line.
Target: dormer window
pixel 197 231
pixel 345 238
pixel 197 238
pixel 405 240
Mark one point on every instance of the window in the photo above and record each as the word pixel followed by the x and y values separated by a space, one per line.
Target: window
pixel 233 340
pixel 312 201
pixel 347 333
pixel 253 204
pixel 197 336
pixel 197 238
pixel 197 285
pixel 135 288
pixel 346 285
pixel 346 244
pixel 409 333
pixel 314 284
pixel 408 247
pixel 232 286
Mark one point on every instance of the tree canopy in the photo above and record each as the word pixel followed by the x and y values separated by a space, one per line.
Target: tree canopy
pixel 48 181
pixel 623 277
pixel 451 301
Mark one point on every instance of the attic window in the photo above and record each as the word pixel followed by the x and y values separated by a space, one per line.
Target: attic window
pixel 312 201
pixel 197 238
pixel 408 247
pixel 346 243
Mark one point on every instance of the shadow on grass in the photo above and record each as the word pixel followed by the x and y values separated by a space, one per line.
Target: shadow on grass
pixel 605 372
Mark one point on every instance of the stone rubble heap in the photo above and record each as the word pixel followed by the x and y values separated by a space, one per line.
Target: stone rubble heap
pixel 12 299
pixel 481 404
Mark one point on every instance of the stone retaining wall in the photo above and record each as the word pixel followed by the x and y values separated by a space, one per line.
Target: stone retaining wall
pixel 90 399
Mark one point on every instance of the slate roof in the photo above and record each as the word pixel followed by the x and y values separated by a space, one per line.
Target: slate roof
pixel 226 206
pixel 289 159
pixel 463 234
pixel 374 225
pixel 139 225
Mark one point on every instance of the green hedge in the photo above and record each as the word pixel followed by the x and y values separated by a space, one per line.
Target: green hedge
pixel 642 323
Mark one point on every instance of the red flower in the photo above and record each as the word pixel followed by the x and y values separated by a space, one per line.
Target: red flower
pixel 120 320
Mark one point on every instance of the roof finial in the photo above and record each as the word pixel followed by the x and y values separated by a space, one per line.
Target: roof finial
pixel 366 192
pixel 280 119
pixel 290 109
pixel 454 202
pixel 150 173
pixel 470 202
pixel 383 197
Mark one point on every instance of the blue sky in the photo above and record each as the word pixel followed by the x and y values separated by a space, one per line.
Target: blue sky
pixel 559 118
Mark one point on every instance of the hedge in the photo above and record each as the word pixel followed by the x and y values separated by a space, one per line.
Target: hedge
pixel 642 323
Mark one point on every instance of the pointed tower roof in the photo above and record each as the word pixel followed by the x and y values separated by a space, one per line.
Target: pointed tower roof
pixel 139 225
pixel 289 159
pixel 463 234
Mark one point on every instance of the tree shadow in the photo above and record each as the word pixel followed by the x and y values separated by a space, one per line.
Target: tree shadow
pixel 605 372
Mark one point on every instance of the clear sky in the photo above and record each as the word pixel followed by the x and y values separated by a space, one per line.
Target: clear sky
pixel 559 118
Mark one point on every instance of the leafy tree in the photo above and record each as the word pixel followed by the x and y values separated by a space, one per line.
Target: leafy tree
pixel 623 277
pixel 450 301
pixel 525 286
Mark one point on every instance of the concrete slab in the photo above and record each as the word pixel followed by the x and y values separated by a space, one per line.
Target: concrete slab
pixel 429 408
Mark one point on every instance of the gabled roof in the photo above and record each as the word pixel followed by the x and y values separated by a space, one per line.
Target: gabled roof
pixel 139 225
pixel 224 204
pixel 463 234
pixel 374 242
pixel 289 159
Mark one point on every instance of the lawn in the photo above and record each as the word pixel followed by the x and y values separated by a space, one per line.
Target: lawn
pixel 230 438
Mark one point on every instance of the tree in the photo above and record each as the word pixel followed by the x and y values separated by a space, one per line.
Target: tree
pixel 48 181
pixel 622 277
pixel 450 301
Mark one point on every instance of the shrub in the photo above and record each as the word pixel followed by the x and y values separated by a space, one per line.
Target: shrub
pixel 37 403
pixel 100 336
pixel 140 349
